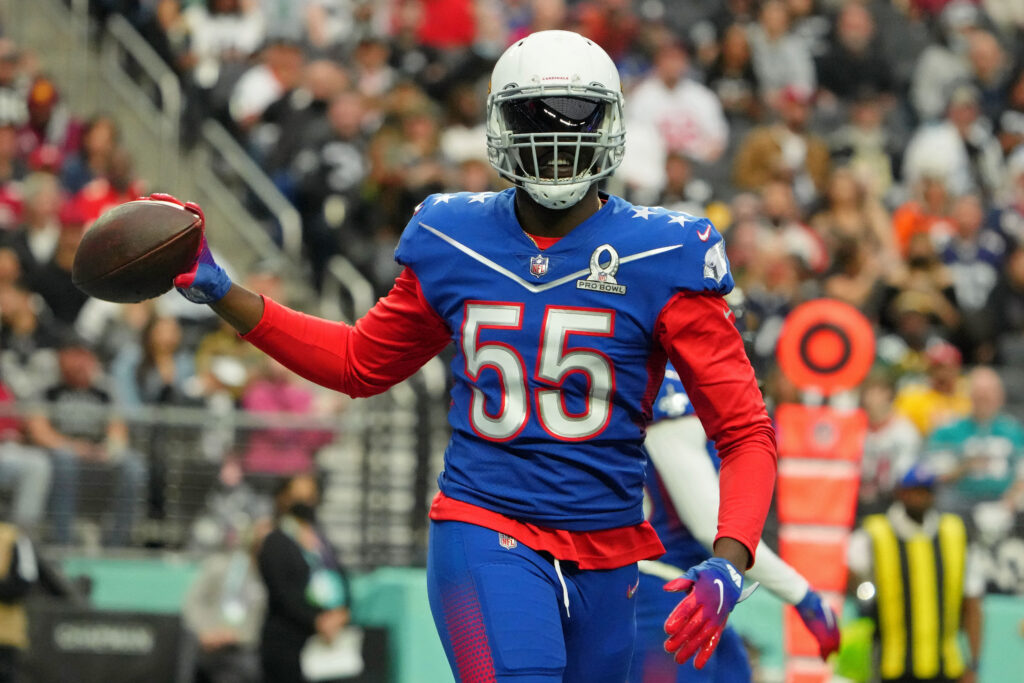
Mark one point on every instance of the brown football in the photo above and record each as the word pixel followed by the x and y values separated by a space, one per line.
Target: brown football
pixel 134 251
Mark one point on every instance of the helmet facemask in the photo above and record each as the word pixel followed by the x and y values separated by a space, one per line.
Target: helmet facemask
pixel 555 141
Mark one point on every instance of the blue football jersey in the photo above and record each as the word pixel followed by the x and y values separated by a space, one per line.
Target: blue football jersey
pixel 556 363
pixel 681 548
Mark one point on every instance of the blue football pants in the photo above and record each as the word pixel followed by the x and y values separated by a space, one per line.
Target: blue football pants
pixel 651 664
pixel 500 610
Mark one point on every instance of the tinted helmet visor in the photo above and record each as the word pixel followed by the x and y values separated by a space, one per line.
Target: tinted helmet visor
pixel 554 115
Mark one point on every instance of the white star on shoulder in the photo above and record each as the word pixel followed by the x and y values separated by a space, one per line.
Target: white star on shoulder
pixel 680 219
pixel 642 212
pixel 442 198
pixel 479 197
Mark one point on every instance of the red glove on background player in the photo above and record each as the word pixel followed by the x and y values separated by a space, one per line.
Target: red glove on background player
pixel 696 624
pixel 821 621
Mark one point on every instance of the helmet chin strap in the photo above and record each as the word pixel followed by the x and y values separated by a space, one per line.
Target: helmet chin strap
pixel 556 197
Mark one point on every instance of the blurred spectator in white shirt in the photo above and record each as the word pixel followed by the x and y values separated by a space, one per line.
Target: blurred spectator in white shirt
pixel 464 136
pixel 1007 15
pixel 891 445
pixel 13 107
pixel 373 76
pixel 223 31
pixel 36 240
pixel 781 58
pixel 279 71
pixel 319 24
pixel 942 64
pixel 961 148
pixel 669 113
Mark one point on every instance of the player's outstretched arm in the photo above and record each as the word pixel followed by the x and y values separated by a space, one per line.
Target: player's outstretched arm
pixel 241 308
pixel 393 340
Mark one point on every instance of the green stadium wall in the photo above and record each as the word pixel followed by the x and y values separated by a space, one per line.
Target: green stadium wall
pixel 396 598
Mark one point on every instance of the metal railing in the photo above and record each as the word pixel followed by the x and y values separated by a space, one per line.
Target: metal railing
pixel 257 186
pixel 131 77
pixel 122 41
pixel 374 457
pixel 342 276
pixel 377 435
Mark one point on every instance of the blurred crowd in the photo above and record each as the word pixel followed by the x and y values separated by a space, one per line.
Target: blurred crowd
pixel 871 151
pixel 75 372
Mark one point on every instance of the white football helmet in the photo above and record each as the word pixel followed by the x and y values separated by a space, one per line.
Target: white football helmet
pixel 554 116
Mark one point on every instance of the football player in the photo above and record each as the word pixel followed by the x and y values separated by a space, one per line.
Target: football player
pixel 682 506
pixel 563 304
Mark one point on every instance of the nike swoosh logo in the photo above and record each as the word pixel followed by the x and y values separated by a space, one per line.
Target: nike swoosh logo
pixel 705 234
pixel 727 313
pixel 631 591
pixel 721 594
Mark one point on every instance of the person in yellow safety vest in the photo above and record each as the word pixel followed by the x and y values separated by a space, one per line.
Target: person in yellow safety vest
pixel 914 561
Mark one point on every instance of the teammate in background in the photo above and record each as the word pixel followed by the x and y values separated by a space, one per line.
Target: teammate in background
pixel 563 304
pixel 682 487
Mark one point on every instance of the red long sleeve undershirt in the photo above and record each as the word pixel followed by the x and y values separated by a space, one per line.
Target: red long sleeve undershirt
pixel 402 332
pixel 387 345
pixel 697 332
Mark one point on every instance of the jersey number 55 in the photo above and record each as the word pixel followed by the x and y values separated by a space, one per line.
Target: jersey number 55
pixel 555 362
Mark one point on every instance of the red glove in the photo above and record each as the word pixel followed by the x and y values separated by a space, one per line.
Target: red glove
pixel 696 624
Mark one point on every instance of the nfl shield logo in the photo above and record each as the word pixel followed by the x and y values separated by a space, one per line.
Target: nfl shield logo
pixel 507 542
pixel 538 265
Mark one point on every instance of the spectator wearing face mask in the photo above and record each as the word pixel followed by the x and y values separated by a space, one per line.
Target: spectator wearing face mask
pixel 307 591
